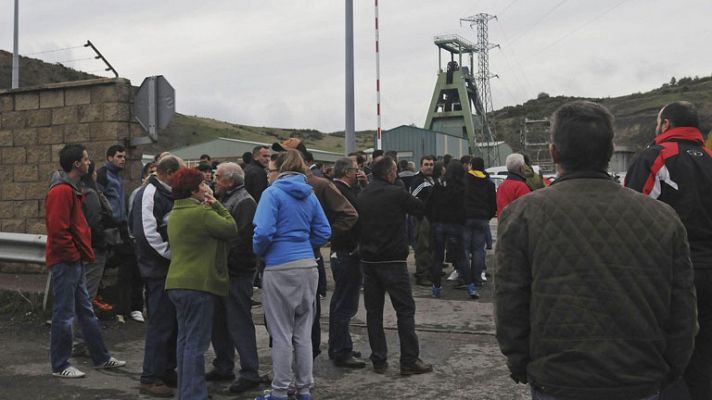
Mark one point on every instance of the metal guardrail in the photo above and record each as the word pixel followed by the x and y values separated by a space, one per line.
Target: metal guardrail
pixel 27 248
pixel 22 247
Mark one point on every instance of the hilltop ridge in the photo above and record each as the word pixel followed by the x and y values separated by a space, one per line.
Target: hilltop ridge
pixel 635 114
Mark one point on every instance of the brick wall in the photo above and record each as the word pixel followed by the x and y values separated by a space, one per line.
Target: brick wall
pixel 36 122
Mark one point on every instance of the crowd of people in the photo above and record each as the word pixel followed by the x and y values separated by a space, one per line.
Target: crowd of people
pixel 595 294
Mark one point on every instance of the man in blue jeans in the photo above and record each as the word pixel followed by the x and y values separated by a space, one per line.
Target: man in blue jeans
pixel 68 248
pixel 480 207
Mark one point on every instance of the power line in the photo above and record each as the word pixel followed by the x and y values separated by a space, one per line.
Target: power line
pixel 511 67
pixel 511 95
pixel 557 41
pixel 74 60
pixel 54 50
pixel 543 17
pixel 506 7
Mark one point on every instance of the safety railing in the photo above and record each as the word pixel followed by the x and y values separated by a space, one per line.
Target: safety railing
pixel 25 248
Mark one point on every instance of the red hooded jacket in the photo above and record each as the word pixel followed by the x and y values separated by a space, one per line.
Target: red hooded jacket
pixel 511 189
pixel 68 234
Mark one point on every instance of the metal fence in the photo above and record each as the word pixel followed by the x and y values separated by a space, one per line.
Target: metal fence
pixel 25 248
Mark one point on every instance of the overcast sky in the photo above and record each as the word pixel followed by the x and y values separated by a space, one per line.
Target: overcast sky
pixel 280 63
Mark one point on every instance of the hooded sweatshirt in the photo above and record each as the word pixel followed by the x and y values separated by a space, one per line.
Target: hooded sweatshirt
pixel 68 234
pixel 289 221
pixel 480 195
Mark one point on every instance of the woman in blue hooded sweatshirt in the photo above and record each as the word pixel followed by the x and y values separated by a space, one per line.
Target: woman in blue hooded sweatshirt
pixel 289 224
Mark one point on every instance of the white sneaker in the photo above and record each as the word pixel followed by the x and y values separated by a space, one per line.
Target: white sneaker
pixel 453 276
pixel 111 363
pixel 120 319
pixel 137 316
pixel 69 372
pixel 484 277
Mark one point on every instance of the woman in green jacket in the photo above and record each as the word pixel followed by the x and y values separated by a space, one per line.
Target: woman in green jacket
pixel 198 230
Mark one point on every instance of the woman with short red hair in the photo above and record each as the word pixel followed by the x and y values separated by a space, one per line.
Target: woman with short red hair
pixel 198 230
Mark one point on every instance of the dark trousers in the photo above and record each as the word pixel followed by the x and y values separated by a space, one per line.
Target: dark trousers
pixel 130 284
pixel 698 374
pixel 194 312
pixel 442 234
pixel 391 278
pixel 423 249
pixel 475 238
pixel 233 328
pixel 320 291
pixel 159 357
pixel 346 269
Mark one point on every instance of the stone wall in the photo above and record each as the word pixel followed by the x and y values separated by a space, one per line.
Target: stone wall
pixel 36 122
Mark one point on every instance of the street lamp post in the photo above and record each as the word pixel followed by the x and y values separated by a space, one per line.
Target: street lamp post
pixel 15 52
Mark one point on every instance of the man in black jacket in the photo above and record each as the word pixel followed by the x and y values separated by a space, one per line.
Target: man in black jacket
pixel 594 288
pixel 255 172
pixel 383 206
pixel 420 187
pixel 480 206
pixel 149 225
pixel 346 268
pixel 233 327
pixel 677 169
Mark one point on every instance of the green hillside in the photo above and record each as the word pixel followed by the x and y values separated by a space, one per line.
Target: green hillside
pixel 635 114
pixel 185 130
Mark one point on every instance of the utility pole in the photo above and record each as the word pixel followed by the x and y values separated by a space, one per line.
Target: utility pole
pixel 481 22
pixel 15 52
pixel 378 83
pixel 349 131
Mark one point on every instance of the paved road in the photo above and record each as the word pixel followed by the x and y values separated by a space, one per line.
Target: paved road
pixel 456 335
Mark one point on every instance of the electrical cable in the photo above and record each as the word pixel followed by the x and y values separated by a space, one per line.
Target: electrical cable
pixel 521 69
pixel 506 7
pixel 543 17
pixel 73 60
pixel 55 50
pixel 555 42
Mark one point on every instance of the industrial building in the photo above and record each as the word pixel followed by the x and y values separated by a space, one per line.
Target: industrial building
pixel 412 142
pixel 226 149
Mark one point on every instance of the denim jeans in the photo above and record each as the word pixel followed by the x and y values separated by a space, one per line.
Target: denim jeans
pixel 346 269
pixel 159 357
pixel 488 236
pixel 71 300
pixel 233 328
pixel 391 278
pixel 442 233
pixel 194 312
pixel 475 238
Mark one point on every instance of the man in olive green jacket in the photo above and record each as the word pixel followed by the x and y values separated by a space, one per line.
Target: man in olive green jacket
pixel 594 285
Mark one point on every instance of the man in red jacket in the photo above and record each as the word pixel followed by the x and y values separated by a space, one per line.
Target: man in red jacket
pixel 68 248
pixel 515 186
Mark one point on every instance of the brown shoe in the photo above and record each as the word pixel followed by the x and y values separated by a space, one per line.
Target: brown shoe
pixel 418 367
pixel 156 389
